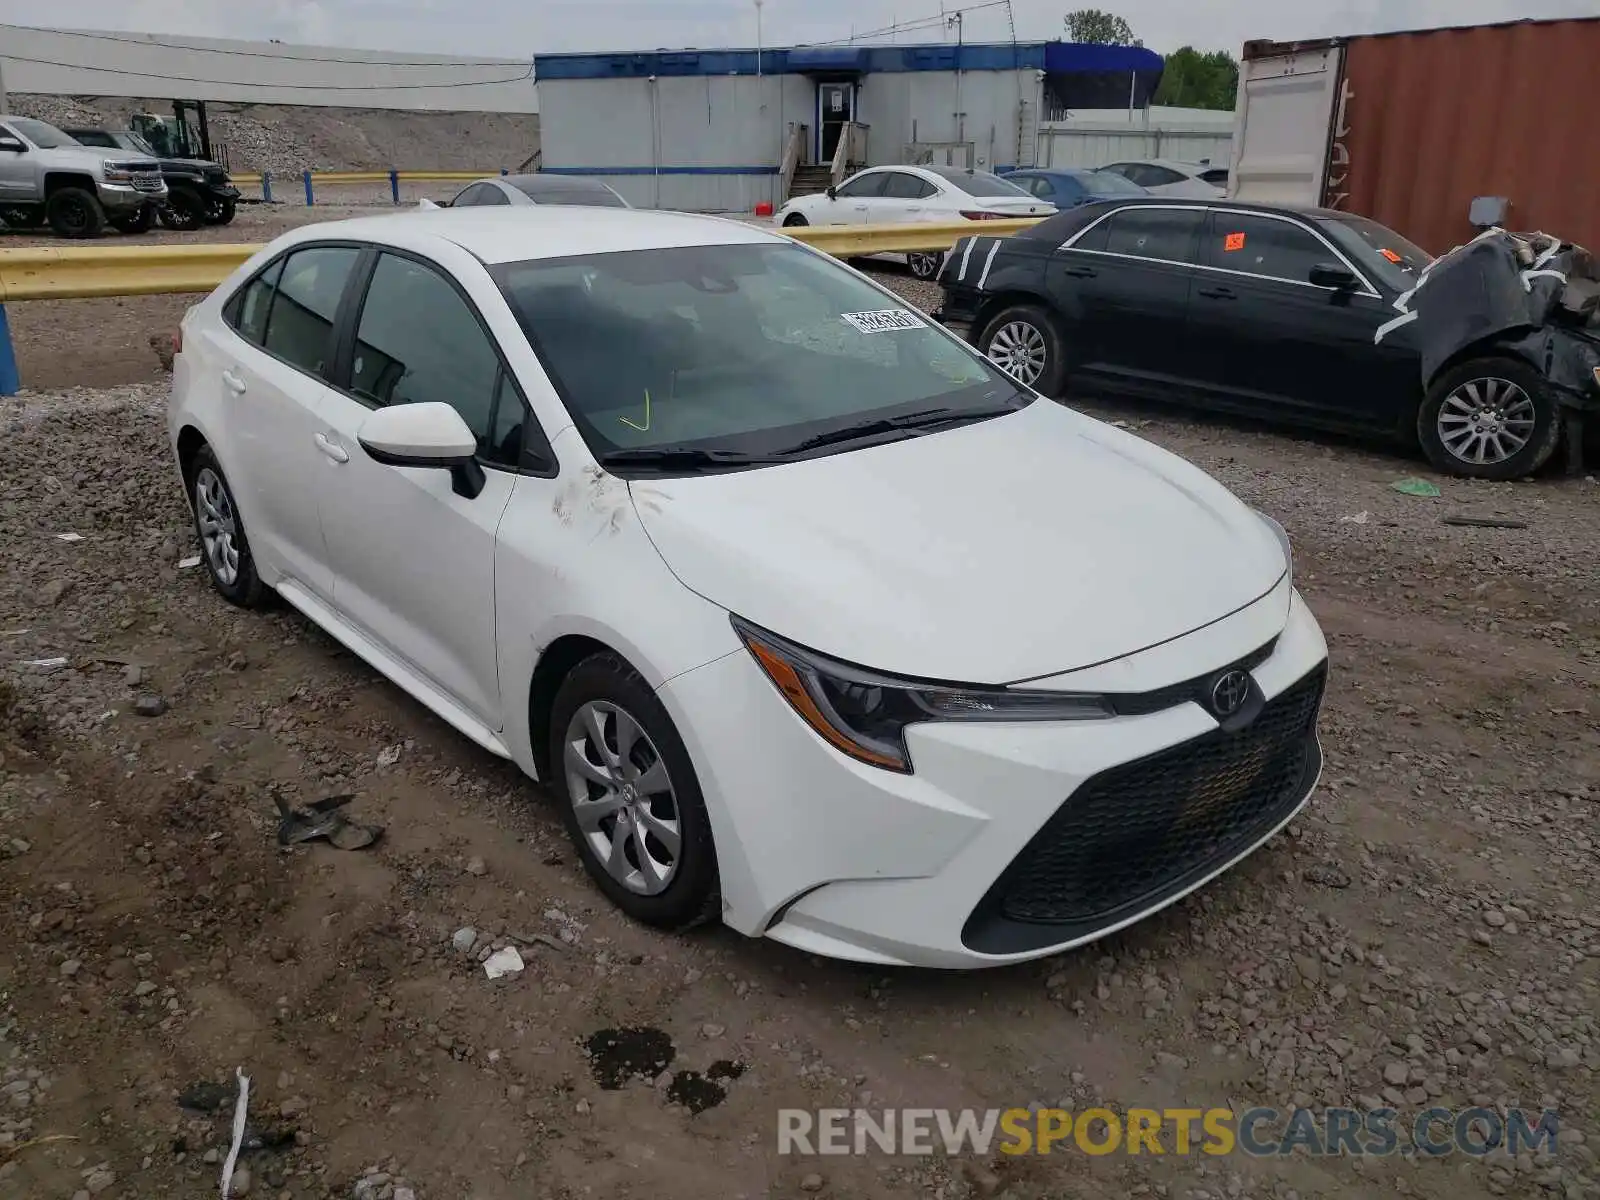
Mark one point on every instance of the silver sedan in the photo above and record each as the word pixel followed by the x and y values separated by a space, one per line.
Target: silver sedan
pixel 537 189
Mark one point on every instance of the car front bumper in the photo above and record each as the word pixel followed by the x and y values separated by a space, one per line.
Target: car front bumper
pixel 1009 841
pixel 122 196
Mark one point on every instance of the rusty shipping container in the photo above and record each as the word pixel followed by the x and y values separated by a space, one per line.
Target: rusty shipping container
pixel 1408 128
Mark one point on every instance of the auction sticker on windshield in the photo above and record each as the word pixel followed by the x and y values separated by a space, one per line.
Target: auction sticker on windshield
pixel 884 321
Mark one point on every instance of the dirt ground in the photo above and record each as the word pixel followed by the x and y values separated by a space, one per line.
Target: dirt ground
pixel 1427 934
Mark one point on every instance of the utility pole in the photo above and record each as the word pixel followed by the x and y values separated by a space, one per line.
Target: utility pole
pixel 758 37
pixel 3 103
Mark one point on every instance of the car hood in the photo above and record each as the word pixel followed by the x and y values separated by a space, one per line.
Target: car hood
pixel 199 166
pixel 1019 547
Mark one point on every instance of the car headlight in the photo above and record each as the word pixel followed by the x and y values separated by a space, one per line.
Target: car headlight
pixel 1283 540
pixel 116 172
pixel 865 714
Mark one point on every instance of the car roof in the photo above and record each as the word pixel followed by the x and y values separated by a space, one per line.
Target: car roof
pixel 513 234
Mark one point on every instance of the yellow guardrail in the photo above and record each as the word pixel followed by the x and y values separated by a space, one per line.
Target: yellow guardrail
pixel 82 272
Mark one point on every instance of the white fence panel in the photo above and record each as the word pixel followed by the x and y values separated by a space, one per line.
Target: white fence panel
pixel 1076 144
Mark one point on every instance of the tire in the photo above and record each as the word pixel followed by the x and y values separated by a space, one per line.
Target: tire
pixel 1033 329
pixel 606 688
pixel 794 221
pixel 221 213
pixel 1516 404
pixel 227 557
pixel 924 266
pixel 185 210
pixel 74 213
pixel 140 222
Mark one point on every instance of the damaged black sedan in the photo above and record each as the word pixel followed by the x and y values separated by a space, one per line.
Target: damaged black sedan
pixel 1488 356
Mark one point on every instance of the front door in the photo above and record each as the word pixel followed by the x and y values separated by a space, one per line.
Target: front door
pixel 1263 334
pixel 836 107
pixel 413 561
pixel 17 171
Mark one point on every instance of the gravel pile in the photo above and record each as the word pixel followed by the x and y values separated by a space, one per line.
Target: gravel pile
pixel 287 140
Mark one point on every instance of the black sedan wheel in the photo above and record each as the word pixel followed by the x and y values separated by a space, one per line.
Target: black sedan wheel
pixel 1492 418
pixel 924 266
pixel 185 210
pixel 1026 342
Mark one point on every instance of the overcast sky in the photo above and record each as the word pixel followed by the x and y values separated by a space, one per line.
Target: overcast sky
pixel 522 28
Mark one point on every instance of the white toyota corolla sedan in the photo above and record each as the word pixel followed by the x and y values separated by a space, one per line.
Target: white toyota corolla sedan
pixel 809 617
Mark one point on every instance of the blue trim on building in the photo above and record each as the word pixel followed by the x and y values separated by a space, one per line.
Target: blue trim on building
pixel 809 60
pixel 761 170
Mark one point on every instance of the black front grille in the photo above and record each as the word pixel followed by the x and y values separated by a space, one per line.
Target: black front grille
pixel 1148 829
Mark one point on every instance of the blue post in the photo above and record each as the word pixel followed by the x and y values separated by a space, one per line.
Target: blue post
pixel 10 383
pixel 266 187
pixel 394 185
pixel 309 201
pixel 504 171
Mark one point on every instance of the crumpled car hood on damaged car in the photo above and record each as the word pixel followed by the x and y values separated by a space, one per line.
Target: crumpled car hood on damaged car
pixel 1533 294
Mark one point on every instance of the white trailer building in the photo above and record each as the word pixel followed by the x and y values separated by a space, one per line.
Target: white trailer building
pixel 721 130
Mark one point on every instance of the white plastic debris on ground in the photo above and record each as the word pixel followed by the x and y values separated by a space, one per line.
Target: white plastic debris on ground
pixel 502 963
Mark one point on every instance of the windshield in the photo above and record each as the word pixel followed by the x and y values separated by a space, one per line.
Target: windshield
pixel 979 183
pixel 737 349
pixel 129 140
pixel 1109 183
pixel 42 135
pixel 1396 261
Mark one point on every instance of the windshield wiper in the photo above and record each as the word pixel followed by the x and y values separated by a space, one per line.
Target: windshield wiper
pixel 922 420
pixel 672 458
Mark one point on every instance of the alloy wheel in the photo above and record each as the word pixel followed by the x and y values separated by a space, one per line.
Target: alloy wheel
pixel 1018 348
pixel 923 266
pixel 1486 421
pixel 623 797
pixel 219 526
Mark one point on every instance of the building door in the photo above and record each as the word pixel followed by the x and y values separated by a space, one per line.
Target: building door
pixel 836 107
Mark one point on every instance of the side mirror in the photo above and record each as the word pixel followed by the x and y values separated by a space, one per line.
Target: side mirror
pixel 12 145
pixel 833 192
pixel 1329 276
pixel 425 436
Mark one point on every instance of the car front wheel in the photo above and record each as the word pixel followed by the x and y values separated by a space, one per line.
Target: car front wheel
pixel 924 266
pixel 1025 341
pixel 794 221
pixel 629 796
pixel 1491 418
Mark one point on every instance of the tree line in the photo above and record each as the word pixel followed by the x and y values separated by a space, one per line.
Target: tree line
pixel 1191 79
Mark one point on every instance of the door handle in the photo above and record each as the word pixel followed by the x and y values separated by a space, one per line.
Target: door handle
pixel 233 382
pixel 336 452
pixel 1220 293
pixel 913 208
pixel 1080 272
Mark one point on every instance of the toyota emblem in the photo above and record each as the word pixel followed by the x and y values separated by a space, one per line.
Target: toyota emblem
pixel 1229 693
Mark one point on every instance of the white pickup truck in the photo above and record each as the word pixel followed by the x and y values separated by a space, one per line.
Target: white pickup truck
pixel 47 176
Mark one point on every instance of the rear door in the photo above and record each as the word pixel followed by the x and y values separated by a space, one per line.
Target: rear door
pixel 906 197
pixel 1266 338
pixel 1123 283
pixel 270 368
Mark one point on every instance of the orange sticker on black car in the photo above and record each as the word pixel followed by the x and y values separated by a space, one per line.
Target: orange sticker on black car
pixel 1233 242
pixel 1391 256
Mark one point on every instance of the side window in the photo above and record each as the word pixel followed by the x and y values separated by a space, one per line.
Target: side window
pixel 247 311
pixel 901 186
pixel 1124 169
pixel 1062 188
pixel 1158 176
pixel 470 197
pixel 300 324
pixel 93 137
pixel 863 186
pixel 418 341
pixel 1168 234
pixel 1262 246
pixel 492 194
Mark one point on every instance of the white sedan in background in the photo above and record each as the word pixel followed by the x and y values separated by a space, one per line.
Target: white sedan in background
pixel 1174 177
pixel 896 195
pixel 786 593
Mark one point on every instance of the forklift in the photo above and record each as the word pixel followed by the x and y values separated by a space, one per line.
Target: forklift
pixel 185 134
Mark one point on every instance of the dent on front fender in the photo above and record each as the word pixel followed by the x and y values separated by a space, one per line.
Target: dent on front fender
pixel 573 559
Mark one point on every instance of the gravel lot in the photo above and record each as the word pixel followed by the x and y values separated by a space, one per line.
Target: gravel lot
pixel 1427 934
